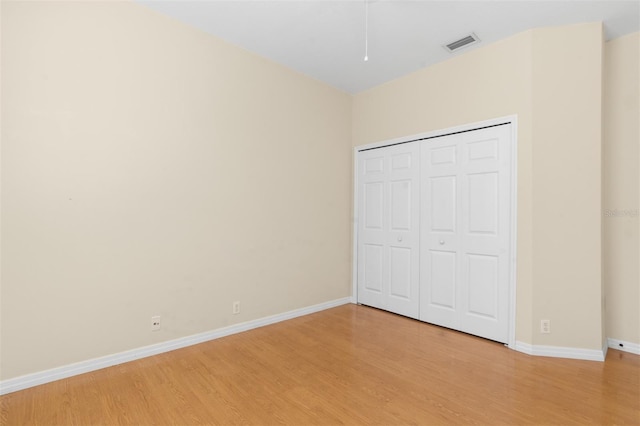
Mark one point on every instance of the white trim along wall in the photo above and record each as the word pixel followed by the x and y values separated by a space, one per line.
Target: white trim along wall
pixel 621 345
pixel 42 377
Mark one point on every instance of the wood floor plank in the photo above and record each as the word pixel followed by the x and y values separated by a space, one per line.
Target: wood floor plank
pixel 349 365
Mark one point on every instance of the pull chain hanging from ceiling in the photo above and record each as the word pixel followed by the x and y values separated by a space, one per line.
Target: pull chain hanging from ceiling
pixel 366 30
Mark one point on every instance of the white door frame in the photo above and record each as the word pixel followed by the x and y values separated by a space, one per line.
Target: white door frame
pixel 510 119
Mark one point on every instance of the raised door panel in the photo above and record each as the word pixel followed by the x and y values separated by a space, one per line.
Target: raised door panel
pixel 401 199
pixel 373 205
pixel 372 259
pixel 400 268
pixel 482 192
pixel 442 203
pixel 482 282
pixel 443 278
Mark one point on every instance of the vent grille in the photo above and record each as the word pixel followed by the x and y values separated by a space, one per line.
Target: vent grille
pixel 463 42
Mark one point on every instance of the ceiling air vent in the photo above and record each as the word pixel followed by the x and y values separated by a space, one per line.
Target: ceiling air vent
pixel 463 42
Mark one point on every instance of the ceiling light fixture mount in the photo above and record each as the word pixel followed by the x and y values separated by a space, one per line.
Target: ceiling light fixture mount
pixel 366 30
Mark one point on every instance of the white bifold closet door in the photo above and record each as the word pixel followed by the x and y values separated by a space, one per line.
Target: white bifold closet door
pixel 388 234
pixel 465 231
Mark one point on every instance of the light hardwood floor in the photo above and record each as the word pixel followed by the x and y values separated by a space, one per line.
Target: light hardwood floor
pixel 347 365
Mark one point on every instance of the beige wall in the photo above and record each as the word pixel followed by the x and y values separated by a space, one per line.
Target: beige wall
pixel 149 168
pixel 567 140
pixel 558 271
pixel 621 187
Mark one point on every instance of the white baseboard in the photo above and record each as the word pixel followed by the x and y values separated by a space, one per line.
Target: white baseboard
pixel 34 379
pixel 561 352
pixel 621 345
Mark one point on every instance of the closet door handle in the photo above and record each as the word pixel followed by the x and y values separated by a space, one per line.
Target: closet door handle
pixel 399 238
pixel 441 242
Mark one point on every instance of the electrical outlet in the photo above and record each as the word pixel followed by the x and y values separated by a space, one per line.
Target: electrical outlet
pixel 545 326
pixel 236 308
pixel 155 323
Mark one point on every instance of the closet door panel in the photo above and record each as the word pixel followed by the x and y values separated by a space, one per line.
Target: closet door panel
pixel 371 232
pixel 403 242
pixel 485 232
pixel 388 229
pixel 439 184
pixel 465 226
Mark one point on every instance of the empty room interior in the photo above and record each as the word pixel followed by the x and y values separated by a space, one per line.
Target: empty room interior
pixel 319 212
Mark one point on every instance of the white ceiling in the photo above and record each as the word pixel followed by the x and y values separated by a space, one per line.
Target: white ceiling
pixel 325 39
